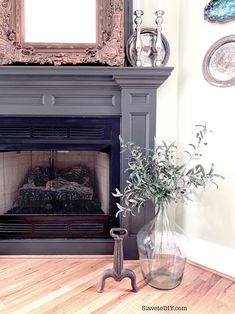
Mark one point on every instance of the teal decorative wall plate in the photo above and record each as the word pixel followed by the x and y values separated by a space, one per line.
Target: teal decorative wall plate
pixel 220 11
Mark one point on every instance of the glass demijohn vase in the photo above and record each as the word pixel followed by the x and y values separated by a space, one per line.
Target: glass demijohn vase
pixel 162 248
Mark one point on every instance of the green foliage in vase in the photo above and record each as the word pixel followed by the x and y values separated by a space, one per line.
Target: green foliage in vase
pixel 157 175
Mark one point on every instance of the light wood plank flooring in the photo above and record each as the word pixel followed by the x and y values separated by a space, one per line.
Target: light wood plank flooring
pixel 68 284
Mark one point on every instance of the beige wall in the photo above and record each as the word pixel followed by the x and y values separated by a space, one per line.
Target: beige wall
pixel 185 99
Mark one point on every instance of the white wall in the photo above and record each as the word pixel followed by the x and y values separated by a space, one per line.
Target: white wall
pixel 168 93
pixel 212 216
pixel 185 99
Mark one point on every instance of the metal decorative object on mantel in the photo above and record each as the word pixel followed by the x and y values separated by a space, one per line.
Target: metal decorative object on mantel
pixel 148 50
pixel 147 47
pixel 158 46
pixel 220 11
pixel 118 272
pixel 138 40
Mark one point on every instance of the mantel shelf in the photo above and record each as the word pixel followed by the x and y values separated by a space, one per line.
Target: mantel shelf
pixel 128 76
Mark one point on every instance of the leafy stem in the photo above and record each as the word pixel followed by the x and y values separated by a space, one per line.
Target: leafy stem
pixel 155 175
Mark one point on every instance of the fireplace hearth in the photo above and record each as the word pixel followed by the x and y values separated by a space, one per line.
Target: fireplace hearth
pixel 67 113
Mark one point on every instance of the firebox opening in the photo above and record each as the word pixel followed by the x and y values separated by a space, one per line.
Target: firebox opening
pixel 57 175
pixel 54 182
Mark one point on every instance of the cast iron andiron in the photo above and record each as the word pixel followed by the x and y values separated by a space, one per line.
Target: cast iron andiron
pixel 118 272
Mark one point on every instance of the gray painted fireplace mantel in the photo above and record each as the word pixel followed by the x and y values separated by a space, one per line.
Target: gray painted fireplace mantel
pixel 126 92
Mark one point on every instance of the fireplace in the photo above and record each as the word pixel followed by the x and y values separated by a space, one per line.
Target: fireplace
pixel 58 176
pixel 59 122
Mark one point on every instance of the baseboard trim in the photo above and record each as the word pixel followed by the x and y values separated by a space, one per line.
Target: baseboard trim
pixel 210 270
pixel 212 256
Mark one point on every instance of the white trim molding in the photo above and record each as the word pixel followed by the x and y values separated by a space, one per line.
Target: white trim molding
pixel 212 255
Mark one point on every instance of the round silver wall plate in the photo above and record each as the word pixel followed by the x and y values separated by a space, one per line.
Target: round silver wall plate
pixel 219 62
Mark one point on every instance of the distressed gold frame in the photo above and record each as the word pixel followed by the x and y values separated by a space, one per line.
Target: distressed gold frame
pixel 108 50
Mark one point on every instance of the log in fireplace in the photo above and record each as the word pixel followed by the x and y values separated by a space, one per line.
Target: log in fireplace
pixel 59 122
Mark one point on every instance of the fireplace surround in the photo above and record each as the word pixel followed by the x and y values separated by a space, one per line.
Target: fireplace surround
pixel 116 99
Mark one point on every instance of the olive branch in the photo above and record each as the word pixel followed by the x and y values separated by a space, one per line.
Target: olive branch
pixel 156 175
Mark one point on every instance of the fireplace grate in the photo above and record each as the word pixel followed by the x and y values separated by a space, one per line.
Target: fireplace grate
pixel 50 227
pixel 22 228
pixel 87 227
pixel 46 226
pixel 45 132
pixel 53 132
pixel 24 132
pixel 87 133
pixel 15 228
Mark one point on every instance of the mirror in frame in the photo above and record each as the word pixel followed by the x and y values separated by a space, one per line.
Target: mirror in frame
pixel 28 37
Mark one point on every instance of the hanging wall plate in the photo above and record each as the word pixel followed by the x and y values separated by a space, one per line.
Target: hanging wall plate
pixel 148 38
pixel 220 11
pixel 219 62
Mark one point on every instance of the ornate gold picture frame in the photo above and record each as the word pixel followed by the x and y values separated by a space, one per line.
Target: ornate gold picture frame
pixel 108 48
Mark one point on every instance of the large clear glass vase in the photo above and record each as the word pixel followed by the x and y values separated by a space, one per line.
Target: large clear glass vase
pixel 162 247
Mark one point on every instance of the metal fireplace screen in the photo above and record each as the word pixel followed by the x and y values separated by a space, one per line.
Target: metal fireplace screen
pixel 55 201
pixel 53 191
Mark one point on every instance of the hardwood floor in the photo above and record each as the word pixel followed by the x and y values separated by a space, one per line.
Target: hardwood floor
pixel 68 284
